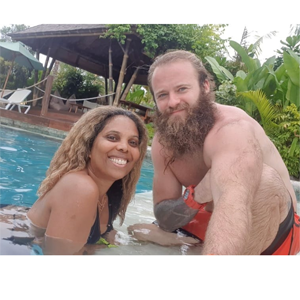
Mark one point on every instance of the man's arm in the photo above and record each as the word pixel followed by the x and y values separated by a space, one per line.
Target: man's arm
pixel 170 210
pixel 236 167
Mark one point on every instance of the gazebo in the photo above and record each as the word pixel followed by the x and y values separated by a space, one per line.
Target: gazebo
pixel 83 46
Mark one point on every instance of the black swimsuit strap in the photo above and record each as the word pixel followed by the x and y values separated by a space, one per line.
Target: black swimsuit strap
pixel 283 231
pixel 95 233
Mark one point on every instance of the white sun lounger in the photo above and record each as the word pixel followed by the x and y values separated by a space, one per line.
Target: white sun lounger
pixel 16 99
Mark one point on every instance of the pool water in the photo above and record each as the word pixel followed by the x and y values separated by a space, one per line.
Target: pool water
pixel 24 160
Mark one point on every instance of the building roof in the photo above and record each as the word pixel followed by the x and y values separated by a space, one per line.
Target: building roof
pixel 81 45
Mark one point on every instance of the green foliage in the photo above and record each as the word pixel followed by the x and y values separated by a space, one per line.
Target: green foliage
pixel 19 75
pixel 268 94
pixel 118 32
pixel 266 110
pixel 5 30
pixel 286 138
pixel 151 131
pixel 140 94
pixel 158 38
pixel 281 86
pixel 71 80
pixel 226 94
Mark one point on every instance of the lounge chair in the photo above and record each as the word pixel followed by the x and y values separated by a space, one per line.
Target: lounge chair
pixel 90 105
pixel 57 103
pixel 16 99
pixel 5 93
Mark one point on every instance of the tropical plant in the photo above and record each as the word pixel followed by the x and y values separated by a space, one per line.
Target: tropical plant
pixel 269 96
pixel 19 75
pixel 292 43
pixel 280 86
pixel 140 94
pixel 5 30
pixel 82 84
pixel 158 38
pixel 286 138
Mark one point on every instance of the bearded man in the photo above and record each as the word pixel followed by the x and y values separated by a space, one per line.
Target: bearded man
pixel 238 197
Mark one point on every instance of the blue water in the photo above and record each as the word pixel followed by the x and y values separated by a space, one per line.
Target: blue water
pixel 24 160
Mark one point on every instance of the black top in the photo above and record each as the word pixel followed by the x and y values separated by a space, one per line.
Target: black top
pixel 114 195
pixel 95 233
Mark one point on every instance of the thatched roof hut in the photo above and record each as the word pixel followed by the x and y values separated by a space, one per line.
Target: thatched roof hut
pixel 80 45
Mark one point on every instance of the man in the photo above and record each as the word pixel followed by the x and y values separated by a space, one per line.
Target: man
pixel 238 197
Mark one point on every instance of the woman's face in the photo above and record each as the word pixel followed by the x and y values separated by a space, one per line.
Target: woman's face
pixel 115 150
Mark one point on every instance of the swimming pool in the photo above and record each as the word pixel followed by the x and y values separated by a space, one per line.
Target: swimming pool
pixel 24 160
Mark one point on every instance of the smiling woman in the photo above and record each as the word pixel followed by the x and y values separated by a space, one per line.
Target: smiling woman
pixel 90 181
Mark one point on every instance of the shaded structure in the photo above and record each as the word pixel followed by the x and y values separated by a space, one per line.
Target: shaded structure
pixel 81 45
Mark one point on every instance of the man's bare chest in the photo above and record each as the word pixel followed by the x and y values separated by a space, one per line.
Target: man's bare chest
pixel 189 171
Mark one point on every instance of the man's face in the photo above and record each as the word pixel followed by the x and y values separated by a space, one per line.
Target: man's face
pixel 185 112
pixel 176 88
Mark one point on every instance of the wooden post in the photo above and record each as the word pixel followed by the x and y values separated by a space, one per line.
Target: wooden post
pixel 46 97
pixel 36 79
pixel 130 83
pixel 42 85
pixel 8 74
pixel 50 67
pixel 122 74
pixel 110 74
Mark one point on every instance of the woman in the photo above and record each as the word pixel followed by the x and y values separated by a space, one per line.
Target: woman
pixel 90 181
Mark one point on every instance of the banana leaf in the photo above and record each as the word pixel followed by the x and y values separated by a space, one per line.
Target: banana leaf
pixel 220 71
pixel 250 63
pixel 292 68
pixel 293 94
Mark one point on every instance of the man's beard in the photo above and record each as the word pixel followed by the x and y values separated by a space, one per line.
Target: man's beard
pixel 184 136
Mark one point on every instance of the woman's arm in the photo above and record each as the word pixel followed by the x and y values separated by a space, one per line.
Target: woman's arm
pixel 73 207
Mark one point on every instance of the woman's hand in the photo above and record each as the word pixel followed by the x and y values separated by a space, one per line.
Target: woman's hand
pixel 152 233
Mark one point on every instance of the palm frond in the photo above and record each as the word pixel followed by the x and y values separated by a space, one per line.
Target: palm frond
pixel 260 40
pixel 264 107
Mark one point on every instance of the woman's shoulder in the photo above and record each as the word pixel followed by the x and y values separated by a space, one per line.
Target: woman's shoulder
pixel 78 184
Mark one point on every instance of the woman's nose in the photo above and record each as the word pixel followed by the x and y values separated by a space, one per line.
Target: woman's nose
pixel 122 146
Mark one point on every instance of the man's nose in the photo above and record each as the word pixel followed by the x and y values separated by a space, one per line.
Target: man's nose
pixel 174 100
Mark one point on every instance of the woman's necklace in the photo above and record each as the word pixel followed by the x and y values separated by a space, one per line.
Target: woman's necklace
pixel 102 203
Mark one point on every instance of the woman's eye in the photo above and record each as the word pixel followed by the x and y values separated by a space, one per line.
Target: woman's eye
pixel 133 143
pixel 111 138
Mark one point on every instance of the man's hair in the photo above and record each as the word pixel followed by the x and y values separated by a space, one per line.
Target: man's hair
pixel 73 153
pixel 177 55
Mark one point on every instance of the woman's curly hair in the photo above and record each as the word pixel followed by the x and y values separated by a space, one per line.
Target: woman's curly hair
pixel 73 153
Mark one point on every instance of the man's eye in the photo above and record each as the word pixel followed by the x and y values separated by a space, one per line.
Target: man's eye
pixel 161 96
pixel 182 89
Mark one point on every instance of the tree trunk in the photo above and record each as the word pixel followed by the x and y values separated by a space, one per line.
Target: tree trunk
pixel 122 74
pixel 131 82
pixel 46 98
pixel 110 78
